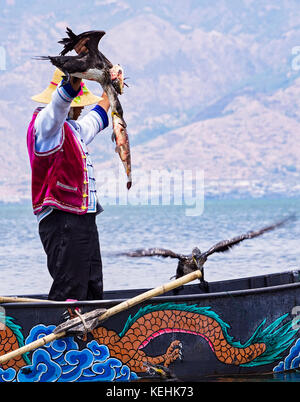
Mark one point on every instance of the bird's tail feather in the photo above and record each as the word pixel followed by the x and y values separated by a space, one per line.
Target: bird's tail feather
pixel 71 33
pixel 69 42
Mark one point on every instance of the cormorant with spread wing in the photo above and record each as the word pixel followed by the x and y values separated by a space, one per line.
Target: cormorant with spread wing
pixel 90 65
pixel 196 260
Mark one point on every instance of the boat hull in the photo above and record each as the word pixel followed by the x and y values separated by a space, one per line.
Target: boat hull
pixel 240 327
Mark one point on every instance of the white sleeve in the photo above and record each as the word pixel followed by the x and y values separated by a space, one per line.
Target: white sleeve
pixel 49 122
pixel 92 123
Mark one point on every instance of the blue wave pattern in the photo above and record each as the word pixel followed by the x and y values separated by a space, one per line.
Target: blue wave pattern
pixel 292 361
pixel 62 361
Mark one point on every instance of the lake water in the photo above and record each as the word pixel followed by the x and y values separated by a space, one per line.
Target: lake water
pixel 23 262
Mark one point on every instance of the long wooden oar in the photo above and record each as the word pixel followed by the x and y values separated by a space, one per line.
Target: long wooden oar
pixel 104 316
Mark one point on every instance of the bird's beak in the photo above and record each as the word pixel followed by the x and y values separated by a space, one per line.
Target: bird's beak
pixel 117 77
pixel 197 263
pixel 121 83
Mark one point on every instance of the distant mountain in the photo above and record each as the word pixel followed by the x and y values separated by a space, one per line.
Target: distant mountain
pixel 250 149
pixel 212 85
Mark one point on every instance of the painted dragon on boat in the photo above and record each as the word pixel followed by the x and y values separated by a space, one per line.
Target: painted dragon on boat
pixel 263 347
pixel 266 345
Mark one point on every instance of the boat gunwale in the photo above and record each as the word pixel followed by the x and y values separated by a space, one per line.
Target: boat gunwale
pixel 158 299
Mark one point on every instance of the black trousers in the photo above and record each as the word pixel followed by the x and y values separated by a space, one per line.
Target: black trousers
pixel 72 246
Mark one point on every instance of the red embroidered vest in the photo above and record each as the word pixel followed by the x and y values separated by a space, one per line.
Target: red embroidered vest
pixel 59 177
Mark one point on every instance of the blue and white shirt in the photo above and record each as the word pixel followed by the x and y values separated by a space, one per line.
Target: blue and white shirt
pixel 48 131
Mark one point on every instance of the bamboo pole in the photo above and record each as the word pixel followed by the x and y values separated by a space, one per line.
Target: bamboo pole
pixel 108 313
pixel 149 294
pixel 14 299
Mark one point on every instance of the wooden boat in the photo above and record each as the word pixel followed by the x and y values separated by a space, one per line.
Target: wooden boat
pixel 236 327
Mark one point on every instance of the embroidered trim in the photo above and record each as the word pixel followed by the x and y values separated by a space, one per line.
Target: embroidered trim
pixel 85 188
pixel 64 94
pixel 66 187
pixel 49 201
pixel 52 151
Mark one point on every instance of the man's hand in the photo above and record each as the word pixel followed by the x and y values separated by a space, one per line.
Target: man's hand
pixel 75 82
pixel 104 102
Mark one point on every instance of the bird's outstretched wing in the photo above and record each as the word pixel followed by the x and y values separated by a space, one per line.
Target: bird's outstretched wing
pixel 72 40
pixel 151 252
pixel 226 245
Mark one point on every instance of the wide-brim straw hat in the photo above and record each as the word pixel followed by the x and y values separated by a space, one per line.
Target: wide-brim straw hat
pixel 84 98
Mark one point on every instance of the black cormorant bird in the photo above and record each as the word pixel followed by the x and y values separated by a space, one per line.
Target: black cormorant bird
pixel 196 260
pixel 90 65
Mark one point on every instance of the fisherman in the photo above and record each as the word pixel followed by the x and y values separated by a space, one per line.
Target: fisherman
pixel 64 195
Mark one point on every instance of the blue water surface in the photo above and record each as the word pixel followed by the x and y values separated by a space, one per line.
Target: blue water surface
pixel 23 262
